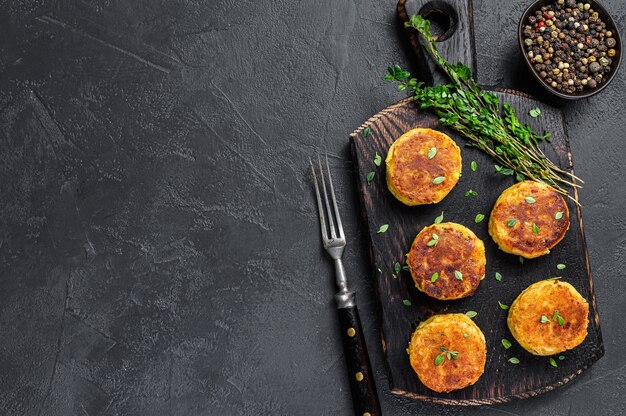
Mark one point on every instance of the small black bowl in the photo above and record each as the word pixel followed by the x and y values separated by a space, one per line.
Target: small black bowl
pixel 610 25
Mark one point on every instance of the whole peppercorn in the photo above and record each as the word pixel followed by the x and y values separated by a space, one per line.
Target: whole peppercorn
pixel 611 52
pixel 610 42
pixel 594 67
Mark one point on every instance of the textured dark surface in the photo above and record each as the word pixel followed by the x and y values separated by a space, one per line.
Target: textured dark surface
pixel 159 251
pixel 501 381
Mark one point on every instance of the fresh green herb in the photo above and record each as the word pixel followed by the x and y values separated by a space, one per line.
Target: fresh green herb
pixel 471 193
pixel 366 132
pixel 383 228
pixel 451 355
pixel 434 277
pixel 439 358
pixel 370 177
pixel 439 219
pixel 535 112
pixel 514 360
pixel 558 215
pixel 377 159
pixel 397 267
pixel 561 357
pixel 406 302
pixel 479 218
pixel 560 266
pixel 530 199
pixel 465 107
pixel 498 276
pixel 458 275
pixel 432 152
pixel 465 335
pixel 535 229
pixel 558 318
pixel 553 362
pixel 503 306
pixel 434 241
pixel 511 222
pixel 438 180
pixel 471 314
pixel 504 171
pixel 473 166
pixel 406 268
pixel 506 343
pixel 521 259
pixel 544 319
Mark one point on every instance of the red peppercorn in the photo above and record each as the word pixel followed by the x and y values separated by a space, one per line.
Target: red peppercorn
pixel 547 16
pixel 540 25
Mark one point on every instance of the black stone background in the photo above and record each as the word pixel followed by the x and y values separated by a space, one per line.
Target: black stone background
pixel 158 239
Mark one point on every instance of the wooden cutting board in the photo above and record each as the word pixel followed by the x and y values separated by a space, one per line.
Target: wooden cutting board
pixel 501 381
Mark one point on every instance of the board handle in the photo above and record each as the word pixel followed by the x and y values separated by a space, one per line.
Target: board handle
pixel 362 386
pixel 452 23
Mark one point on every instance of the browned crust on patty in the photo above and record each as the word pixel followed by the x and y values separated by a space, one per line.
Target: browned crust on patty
pixel 520 239
pixel 410 173
pixel 448 331
pixel 458 249
pixel 543 299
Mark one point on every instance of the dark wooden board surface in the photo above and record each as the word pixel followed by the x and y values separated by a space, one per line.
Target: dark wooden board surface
pixel 501 381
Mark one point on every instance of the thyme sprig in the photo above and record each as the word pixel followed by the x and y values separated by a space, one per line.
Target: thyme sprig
pixel 474 113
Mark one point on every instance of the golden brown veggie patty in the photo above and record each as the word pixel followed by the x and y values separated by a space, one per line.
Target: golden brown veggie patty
pixel 460 346
pixel 549 317
pixel 423 165
pixel 447 261
pixel 529 219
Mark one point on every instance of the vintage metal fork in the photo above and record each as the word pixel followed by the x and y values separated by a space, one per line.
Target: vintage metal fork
pixel 364 396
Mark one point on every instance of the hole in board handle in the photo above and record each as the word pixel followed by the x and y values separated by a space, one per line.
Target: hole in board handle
pixel 443 19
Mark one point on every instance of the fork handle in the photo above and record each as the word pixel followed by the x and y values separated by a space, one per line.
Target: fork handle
pixel 364 396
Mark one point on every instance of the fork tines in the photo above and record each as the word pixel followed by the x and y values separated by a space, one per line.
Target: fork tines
pixel 335 232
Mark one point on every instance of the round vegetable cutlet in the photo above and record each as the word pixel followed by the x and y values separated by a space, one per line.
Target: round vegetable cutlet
pixel 423 165
pixel 549 317
pixel 447 261
pixel 448 352
pixel 528 219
